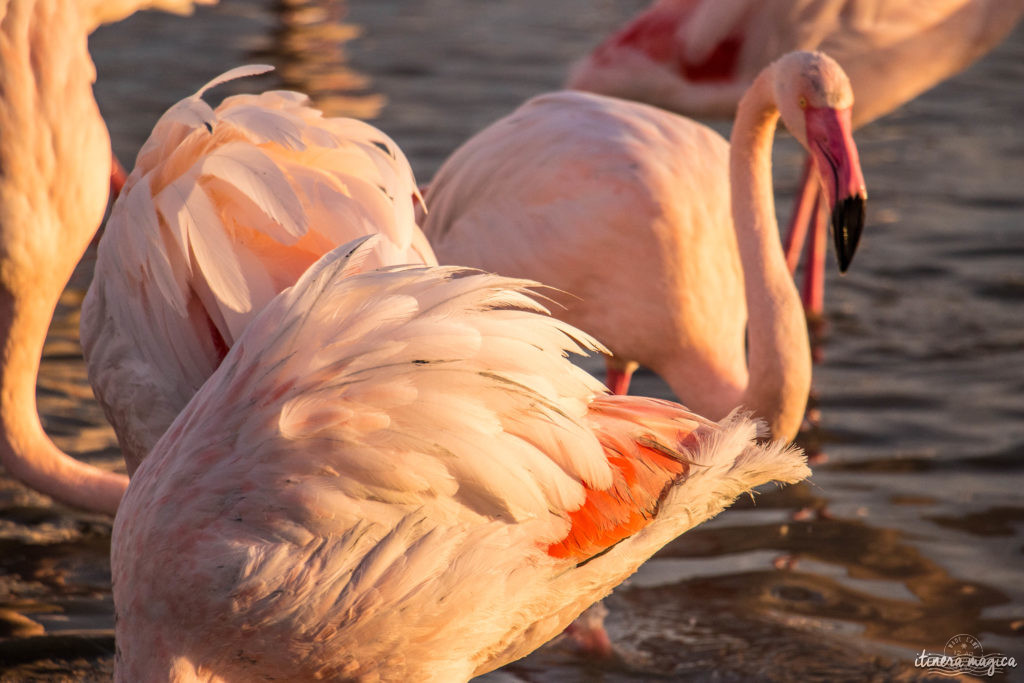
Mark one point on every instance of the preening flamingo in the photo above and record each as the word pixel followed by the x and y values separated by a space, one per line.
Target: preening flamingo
pixel 696 57
pixel 225 208
pixel 628 209
pixel 54 165
pixel 417 485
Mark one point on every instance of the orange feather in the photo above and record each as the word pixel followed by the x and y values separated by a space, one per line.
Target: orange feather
pixel 644 466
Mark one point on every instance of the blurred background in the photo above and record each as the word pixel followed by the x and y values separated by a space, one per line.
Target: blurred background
pixel 912 528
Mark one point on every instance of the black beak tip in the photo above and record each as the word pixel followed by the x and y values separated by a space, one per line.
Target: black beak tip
pixel 847 224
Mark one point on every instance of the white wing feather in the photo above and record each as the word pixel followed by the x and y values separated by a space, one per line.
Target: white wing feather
pixel 226 207
pixel 255 177
pixel 374 472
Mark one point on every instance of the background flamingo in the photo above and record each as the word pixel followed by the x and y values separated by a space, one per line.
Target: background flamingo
pixel 696 57
pixel 418 486
pixel 225 207
pixel 627 208
pixel 52 198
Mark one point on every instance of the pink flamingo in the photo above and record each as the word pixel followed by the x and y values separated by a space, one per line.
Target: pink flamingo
pixel 267 183
pixel 417 486
pixel 225 208
pixel 697 57
pixel 54 164
pixel 628 209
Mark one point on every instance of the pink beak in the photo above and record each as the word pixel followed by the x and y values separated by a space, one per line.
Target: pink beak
pixel 830 139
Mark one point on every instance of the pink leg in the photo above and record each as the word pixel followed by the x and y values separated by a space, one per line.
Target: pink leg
pixel 419 199
pixel 803 214
pixel 117 177
pixel 814 269
pixel 588 634
pixel 618 374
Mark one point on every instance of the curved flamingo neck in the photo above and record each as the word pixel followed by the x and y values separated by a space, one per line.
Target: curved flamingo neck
pixel 54 165
pixel 26 452
pixel 778 360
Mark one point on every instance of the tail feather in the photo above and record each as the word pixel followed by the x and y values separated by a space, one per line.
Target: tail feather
pixel 728 462
pixel 732 448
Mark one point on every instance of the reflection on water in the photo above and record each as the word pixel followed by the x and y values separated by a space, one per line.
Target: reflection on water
pixel 911 532
pixel 309 50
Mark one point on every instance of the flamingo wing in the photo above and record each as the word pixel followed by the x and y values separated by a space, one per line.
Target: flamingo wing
pixel 647 444
pixel 224 209
pixel 413 451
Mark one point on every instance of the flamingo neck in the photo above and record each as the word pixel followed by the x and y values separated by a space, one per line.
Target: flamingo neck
pixel 54 162
pixel 26 452
pixel 778 360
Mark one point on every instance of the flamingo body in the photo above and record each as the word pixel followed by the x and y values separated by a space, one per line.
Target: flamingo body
pixel 419 486
pixel 661 234
pixel 225 208
pixel 697 57
pixel 590 195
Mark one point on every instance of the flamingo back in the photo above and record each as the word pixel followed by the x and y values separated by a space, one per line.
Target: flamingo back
pixel 593 196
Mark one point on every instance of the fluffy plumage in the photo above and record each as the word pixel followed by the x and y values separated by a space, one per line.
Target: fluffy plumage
pixel 385 501
pixel 226 207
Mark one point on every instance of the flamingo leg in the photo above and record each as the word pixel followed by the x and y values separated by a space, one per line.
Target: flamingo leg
pixel 588 634
pixel 117 177
pixel 814 268
pixel 803 214
pixel 618 374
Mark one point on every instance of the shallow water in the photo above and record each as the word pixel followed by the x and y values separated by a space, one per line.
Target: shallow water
pixel 912 530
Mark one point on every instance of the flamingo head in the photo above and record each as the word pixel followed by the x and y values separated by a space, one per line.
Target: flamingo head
pixel 815 100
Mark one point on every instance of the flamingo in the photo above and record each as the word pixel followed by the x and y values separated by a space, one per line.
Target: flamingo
pixel 697 57
pixel 266 182
pixel 417 486
pixel 54 163
pixel 225 208
pixel 628 209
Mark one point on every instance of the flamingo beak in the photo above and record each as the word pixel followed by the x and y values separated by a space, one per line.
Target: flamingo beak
pixel 830 139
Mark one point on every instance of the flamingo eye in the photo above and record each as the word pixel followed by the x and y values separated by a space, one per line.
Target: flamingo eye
pixel 803 102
